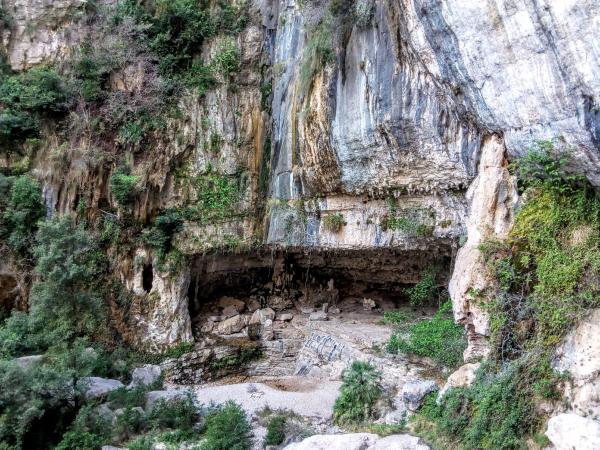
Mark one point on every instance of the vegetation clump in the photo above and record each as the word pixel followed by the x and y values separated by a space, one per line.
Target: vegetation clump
pixel 438 338
pixel 360 391
pixel 227 428
pixel 123 186
pixel 334 222
pixel 545 280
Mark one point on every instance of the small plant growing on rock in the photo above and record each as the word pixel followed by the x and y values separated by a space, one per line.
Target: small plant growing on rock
pixel 425 290
pixel 334 222
pixel 360 391
pixel 123 186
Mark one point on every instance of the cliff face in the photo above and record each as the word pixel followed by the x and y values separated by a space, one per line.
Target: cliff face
pixel 410 118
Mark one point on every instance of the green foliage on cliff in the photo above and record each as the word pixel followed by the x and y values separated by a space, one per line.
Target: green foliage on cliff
pixel 360 391
pixel 546 279
pixel 123 186
pixel 497 412
pixel 26 98
pixel 160 235
pixel 318 53
pixel 334 222
pixel 21 213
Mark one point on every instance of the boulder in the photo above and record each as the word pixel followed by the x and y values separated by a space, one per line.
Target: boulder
pixel 252 305
pixel 400 442
pixel 262 315
pixel 104 412
pixel 353 441
pixel 279 303
pixel 172 395
pixel 284 317
pixel 318 316
pixel 267 333
pixel 110 447
pixel 230 302
pixel 25 362
pixel 573 432
pixel 463 376
pixel 96 387
pixel 414 391
pixel 232 325
pixel 145 375
pixel 230 311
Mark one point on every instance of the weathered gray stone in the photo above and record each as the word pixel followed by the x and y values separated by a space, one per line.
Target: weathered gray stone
pixel 414 391
pixel 261 315
pixel 96 387
pixel 145 375
pixel 354 441
pixel 232 325
pixel 284 317
pixel 318 316
pixel 463 376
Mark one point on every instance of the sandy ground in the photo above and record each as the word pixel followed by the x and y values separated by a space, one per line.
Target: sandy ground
pixel 309 398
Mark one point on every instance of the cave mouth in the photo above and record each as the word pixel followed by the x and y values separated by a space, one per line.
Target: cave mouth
pixel 300 281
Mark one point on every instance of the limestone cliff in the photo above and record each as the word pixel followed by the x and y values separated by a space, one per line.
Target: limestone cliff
pixel 397 126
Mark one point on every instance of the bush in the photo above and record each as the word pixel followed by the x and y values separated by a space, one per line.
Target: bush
pixel 36 90
pixel 334 222
pixel 275 430
pixel 438 338
pixel 123 186
pixel 318 53
pixel 75 440
pixel 25 208
pixel 496 412
pixel 227 428
pixel 360 391
pixel 226 60
pixel 159 236
pixel 174 414
pixel 425 290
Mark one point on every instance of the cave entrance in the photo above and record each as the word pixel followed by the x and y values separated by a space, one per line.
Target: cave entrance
pixel 226 290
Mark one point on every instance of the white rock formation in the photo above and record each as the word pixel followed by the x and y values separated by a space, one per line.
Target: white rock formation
pixel 573 432
pixel 359 441
pixel 579 357
pixel 492 198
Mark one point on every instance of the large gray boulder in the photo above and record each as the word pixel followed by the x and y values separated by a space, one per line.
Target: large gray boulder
pixel 96 387
pixel 145 375
pixel 25 362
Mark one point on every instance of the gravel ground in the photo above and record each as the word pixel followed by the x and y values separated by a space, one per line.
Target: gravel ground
pixel 309 398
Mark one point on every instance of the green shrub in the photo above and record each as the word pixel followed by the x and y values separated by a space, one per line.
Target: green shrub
pixel 123 186
pixel 159 236
pixel 360 391
pixel 64 302
pixel 174 414
pixel 334 222
pixel 496 412
pixel 275 430
pixel 227 428
pixel 425 290
pixel 177 32
pixel 17 126
pixel 75 440
pixel 226 60
pixel 438 338
pixel 36 90
pixel 23 212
